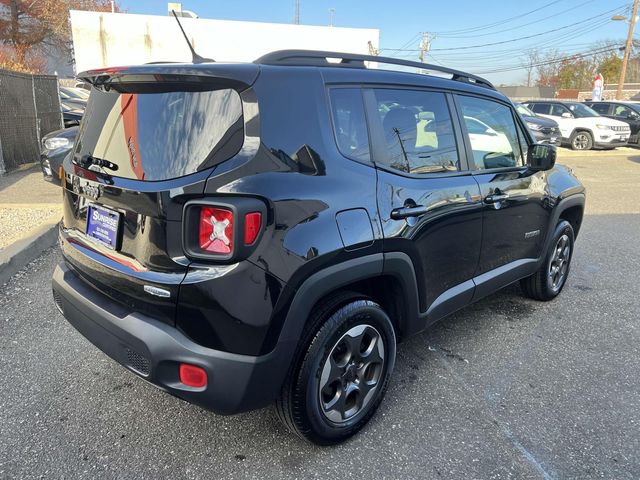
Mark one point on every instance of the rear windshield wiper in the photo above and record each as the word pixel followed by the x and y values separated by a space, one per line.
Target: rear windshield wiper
pixel 87 160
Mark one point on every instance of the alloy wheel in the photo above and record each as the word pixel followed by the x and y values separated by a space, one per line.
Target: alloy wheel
pixel 581 141
pixel 559 264
pixel 351 374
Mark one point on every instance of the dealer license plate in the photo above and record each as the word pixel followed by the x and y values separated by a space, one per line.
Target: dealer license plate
pixel 103 225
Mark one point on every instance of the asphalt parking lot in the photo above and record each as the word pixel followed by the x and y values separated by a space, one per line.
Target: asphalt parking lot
pixel 506 388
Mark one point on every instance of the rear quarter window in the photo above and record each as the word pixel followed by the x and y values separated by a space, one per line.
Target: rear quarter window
pixel 159 136
pixel 349 123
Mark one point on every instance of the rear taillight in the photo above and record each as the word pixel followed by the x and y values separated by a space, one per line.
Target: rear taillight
pixel 224 231
pixel 216 230
pixel 252 224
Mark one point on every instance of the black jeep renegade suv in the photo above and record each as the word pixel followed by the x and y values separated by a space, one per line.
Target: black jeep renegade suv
pixel 244 234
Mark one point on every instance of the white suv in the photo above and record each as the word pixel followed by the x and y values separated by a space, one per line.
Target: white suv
pixel 582 127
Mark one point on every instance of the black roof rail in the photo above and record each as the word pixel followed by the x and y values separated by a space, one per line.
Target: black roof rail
pixel 319 58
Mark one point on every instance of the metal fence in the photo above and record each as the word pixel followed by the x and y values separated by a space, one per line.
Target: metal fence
pixel 29 109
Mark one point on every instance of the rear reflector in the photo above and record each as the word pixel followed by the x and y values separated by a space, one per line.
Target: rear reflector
pixel 252 223
pixel 216 230
pixel 192 376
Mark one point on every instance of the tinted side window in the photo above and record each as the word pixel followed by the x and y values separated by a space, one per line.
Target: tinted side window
pixel 418 131
pixel 621 111
pixel 601 108
pixel 558 110
pixel 540 108
pixel 349 122
pixel 493 133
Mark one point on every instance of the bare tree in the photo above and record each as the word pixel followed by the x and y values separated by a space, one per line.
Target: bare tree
pixel 529 60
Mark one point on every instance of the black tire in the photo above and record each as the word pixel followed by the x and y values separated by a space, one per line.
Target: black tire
pixel 581 141
pixel 547 283
pixel 302 402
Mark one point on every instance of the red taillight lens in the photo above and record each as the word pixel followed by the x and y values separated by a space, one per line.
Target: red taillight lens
pixel 252 224
pixel 192 376
pixel 216 230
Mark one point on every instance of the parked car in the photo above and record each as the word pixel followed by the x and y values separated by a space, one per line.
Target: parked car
pixel 581 127
pixel 266 232
pixel 83 86
pixel 55 146
pixel 71 116
pixel 544 130
pixel 76 98
pixel 628 112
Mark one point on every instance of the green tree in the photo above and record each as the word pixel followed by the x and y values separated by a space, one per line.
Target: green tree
pixel 575 73
pixel 610 68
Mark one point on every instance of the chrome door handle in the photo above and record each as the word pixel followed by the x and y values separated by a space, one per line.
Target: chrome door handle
pixel 496 197
pixel 406 212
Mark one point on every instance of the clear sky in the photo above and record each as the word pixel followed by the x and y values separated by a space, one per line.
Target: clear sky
pixel 571 26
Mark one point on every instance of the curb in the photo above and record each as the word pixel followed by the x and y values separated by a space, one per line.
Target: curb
pixel 20 253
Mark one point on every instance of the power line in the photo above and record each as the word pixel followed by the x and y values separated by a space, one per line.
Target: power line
pixel 589 23
pixel 502 30
pixel 501 22
pixel 551 62
pixel 526 36
pixel 413 39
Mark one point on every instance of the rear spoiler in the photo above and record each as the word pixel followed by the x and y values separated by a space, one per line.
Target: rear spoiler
pixel 169 76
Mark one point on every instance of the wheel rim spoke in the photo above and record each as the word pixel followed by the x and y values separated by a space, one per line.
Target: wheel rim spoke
pixel 559 263
pixel 351 373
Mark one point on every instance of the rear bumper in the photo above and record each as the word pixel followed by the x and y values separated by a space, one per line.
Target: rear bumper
pixel 153 350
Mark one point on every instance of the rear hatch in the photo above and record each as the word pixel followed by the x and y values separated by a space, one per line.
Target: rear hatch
pixel 149 139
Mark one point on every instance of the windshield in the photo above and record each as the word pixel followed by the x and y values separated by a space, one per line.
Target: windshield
pixel 158 136
pixel 522 110
pixel 582 111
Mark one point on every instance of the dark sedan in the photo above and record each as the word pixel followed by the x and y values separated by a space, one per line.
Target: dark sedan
pixel 71 115
pixel 628 112
pixel 55 146
pixel 544 129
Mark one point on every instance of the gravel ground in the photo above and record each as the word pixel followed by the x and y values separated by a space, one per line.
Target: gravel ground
pixel 506 388
pixel 26 202
pixel 28 186
pixel 15 223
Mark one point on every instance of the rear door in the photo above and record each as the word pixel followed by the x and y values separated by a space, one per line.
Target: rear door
pixel 626 114
pixel 515 203
pixel 602 108
pixel 143 150
pixel 428 200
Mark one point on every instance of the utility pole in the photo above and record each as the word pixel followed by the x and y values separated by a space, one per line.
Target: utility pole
pixel 425 45
pixel 296 15
pixel 332 12
pixel 372 49
pixel 627 50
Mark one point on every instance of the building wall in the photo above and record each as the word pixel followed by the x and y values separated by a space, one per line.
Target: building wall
pixel 119 39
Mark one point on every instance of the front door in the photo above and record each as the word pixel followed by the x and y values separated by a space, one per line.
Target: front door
pixel 429 202
pixel 516 206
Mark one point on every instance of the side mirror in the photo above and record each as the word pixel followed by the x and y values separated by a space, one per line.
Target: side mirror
pixel 541 156
pixel 566 115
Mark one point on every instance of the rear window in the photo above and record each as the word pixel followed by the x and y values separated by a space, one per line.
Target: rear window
pixel 158 136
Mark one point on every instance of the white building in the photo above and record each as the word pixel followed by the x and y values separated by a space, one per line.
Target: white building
pixel 120 39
